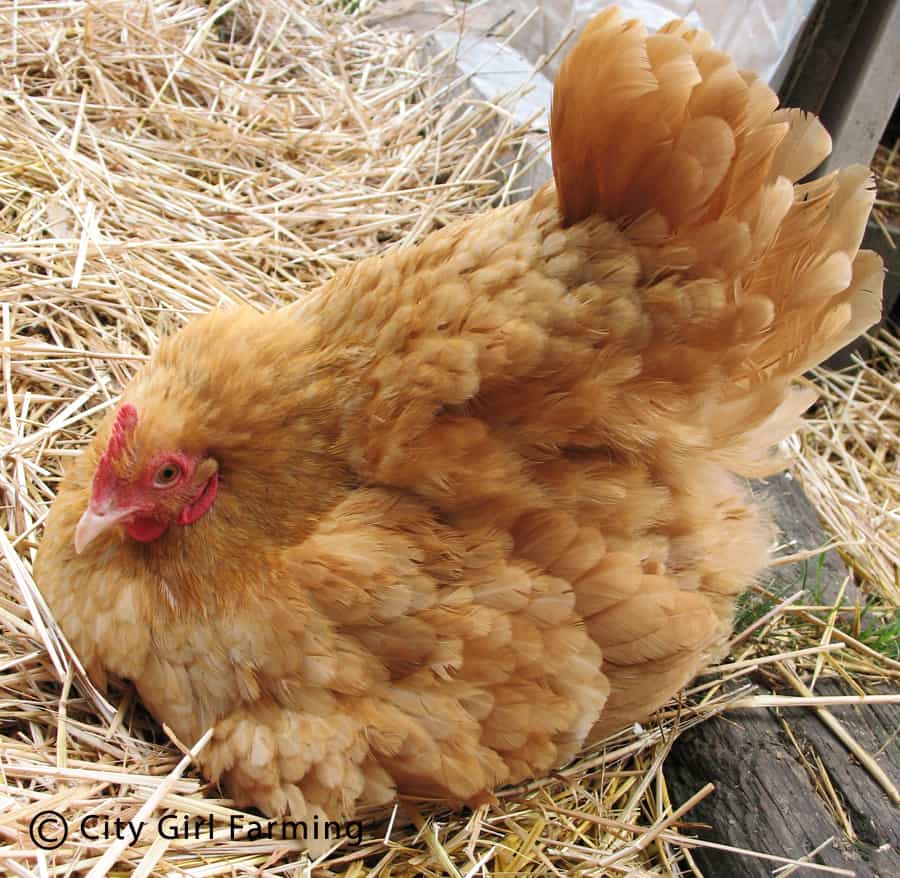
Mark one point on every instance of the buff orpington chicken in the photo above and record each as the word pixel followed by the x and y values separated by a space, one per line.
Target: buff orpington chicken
pixel 478 502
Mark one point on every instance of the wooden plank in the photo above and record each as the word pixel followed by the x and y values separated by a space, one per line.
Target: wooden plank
pixel 874 819
pixel 796 519
pixel 824 42
pixel 847 71
pixel 865 92
pixel 765 799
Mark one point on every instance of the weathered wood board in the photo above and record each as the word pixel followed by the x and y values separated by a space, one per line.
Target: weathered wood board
pixel 765 799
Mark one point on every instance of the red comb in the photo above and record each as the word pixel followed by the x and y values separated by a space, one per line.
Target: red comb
pixel 122 428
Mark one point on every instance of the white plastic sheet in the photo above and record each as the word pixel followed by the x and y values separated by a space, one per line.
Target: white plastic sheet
pixel 759 34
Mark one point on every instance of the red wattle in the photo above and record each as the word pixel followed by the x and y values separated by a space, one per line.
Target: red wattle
pixel 145 529
pixel 196 510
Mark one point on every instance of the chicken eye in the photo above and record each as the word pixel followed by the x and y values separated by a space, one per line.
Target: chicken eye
pixel 166 475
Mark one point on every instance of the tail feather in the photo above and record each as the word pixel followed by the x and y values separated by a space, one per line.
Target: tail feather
pixel 676 74
pixel 589 131
pixel 765 213
pixel 693 161
pixel 805 147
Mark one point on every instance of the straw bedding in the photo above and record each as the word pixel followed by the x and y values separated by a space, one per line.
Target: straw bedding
pixel 164 157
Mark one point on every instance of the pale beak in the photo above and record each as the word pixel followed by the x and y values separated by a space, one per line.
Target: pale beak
pixel 92 524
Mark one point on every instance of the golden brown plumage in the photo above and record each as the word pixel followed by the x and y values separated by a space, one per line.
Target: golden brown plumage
pixel 476 502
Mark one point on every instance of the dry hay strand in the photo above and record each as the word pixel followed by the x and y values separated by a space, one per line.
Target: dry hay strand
pixel 158 159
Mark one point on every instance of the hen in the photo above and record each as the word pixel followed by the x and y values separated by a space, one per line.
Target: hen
pixel 477 502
